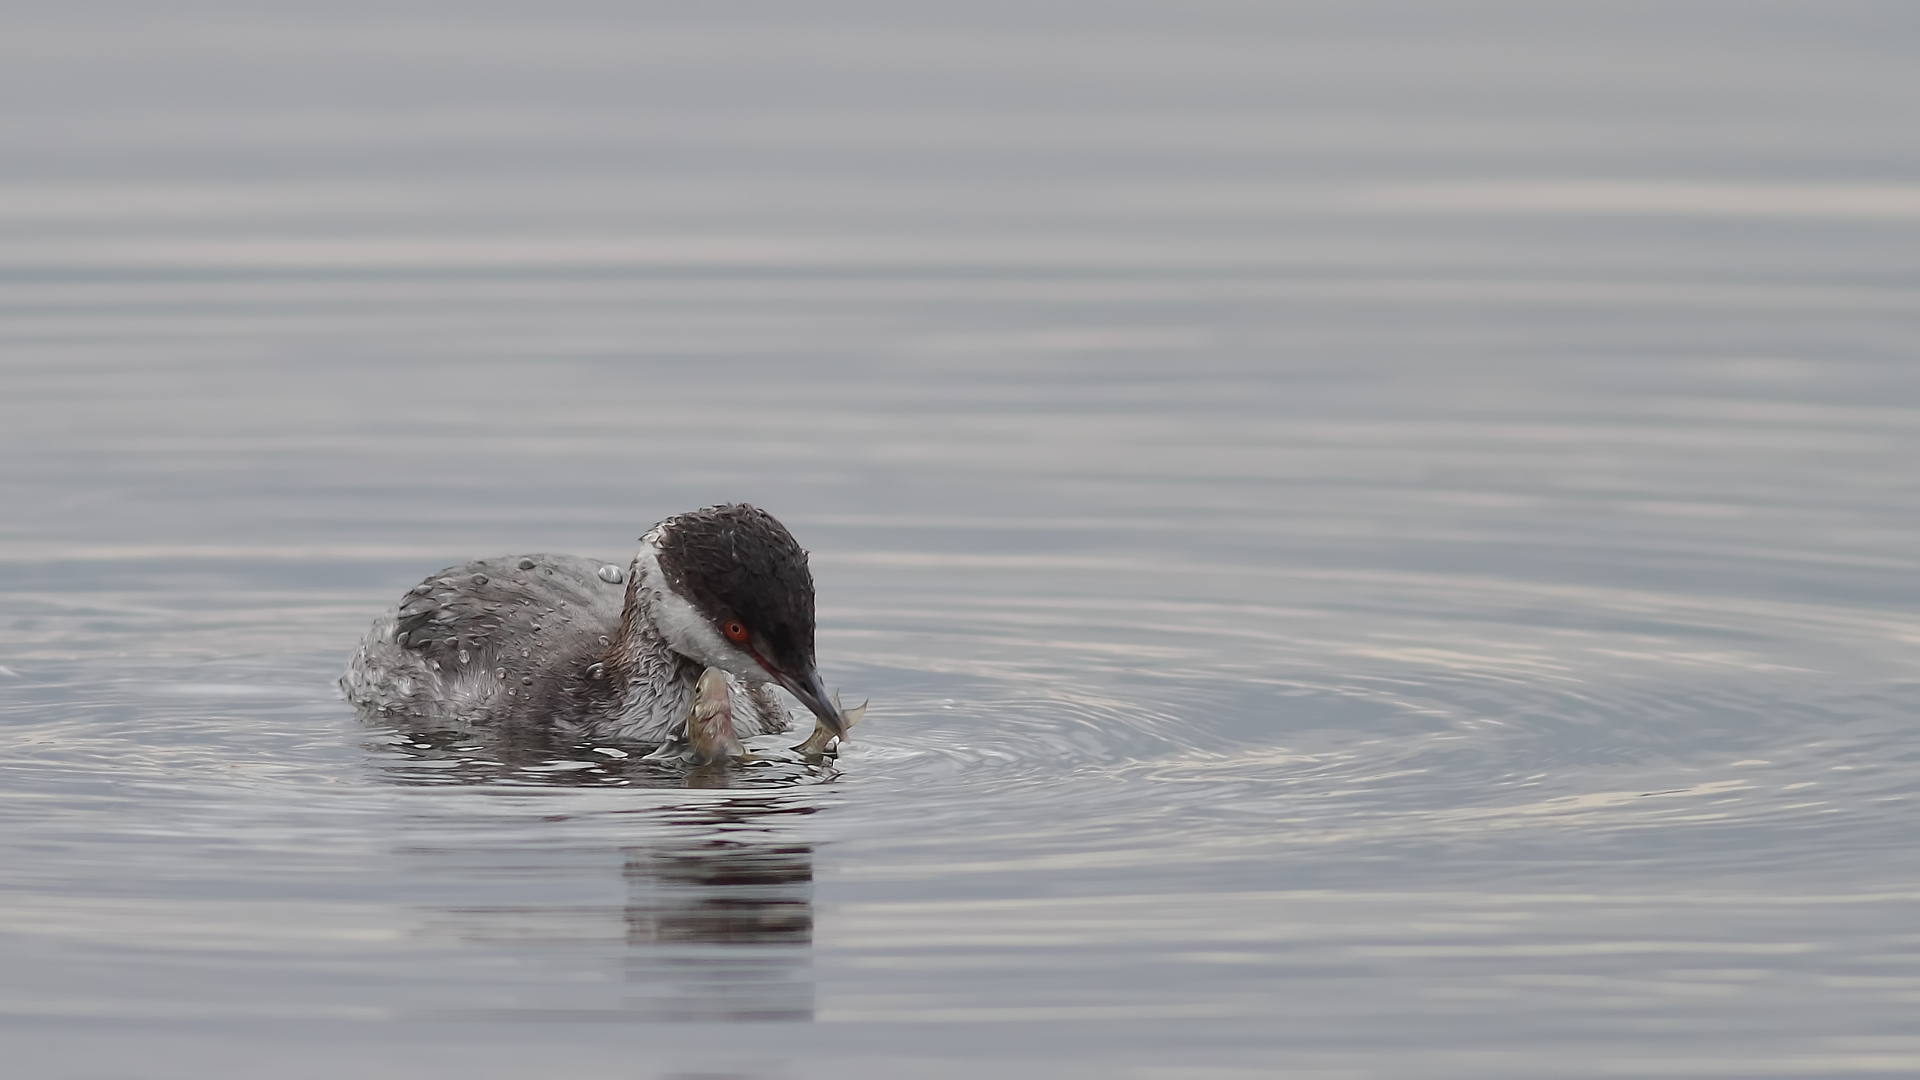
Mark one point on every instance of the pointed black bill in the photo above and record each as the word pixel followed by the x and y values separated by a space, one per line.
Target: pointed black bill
pixel 813 694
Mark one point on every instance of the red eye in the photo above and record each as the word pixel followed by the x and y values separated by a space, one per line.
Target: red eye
pixel 736 631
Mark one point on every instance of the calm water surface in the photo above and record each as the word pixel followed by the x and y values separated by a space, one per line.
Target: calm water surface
pixel 1381 539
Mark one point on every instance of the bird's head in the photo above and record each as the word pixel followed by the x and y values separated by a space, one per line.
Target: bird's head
pixel 728 587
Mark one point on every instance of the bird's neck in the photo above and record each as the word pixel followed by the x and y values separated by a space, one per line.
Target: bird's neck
pixel 653 684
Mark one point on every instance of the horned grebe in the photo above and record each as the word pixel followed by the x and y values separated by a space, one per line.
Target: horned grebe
pixel 592 651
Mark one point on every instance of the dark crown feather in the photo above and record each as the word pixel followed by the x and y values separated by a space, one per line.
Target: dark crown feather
pixel 737 561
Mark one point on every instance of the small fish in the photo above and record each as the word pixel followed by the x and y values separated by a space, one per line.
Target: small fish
pixel 710 736
pixel 823 736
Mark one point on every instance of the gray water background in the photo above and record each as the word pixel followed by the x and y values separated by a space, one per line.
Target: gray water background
pixel 1381 537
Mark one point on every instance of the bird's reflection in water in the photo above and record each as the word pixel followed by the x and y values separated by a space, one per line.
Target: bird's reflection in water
pixel 718 919
pixel 721 927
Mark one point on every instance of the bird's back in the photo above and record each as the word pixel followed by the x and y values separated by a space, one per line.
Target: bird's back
pixel 476 642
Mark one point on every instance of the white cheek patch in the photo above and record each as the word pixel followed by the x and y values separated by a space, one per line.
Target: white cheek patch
pixel 684 627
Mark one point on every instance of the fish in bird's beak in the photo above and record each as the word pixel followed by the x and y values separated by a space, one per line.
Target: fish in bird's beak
pixel 823 736
pixel 710 735
pixel 813 694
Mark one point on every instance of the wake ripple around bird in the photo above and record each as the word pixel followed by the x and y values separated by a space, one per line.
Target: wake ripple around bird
pixel 1389 708
pixel 1315 708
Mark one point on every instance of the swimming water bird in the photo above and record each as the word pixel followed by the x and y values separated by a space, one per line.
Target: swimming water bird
pixel 592 651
